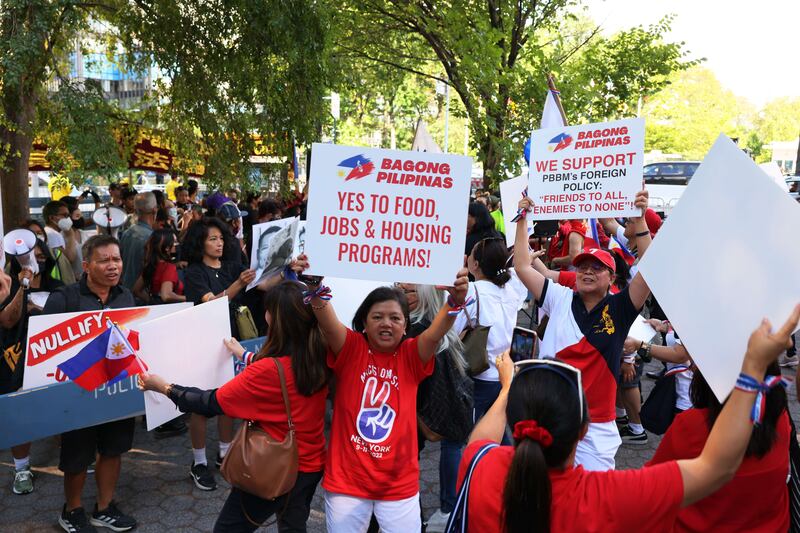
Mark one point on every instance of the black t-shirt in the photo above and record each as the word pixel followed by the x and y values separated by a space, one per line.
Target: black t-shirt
pixel 200 279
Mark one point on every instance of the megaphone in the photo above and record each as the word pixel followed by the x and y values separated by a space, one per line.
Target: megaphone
pixel 109 218
pixel 20 243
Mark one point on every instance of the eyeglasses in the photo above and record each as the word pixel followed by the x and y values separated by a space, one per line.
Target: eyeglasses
pixel 562 369
pixel 594 266
pixel 405 291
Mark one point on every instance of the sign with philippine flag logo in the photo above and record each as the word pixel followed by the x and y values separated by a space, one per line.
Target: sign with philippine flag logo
pixel 379 215
pixel 586 171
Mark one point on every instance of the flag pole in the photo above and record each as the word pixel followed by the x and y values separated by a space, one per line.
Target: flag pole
pixel 551 84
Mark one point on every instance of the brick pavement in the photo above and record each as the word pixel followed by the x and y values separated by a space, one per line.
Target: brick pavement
pixel 156 489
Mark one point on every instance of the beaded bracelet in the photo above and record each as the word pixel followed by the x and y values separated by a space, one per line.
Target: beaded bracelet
pixel 456 308
pixel 521 211
pixel 747 383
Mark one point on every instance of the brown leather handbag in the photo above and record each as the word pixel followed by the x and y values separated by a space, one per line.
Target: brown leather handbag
pixel 256 463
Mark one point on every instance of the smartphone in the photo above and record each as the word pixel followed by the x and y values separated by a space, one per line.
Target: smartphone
pixel 523 344
pixel 310 280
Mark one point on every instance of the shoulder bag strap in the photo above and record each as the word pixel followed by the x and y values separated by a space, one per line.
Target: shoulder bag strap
pixel 457 523
pixel 284 392
pixel 477 310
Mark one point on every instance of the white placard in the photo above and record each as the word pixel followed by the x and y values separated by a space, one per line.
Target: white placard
pixel 641 330
pixel 195 358
pixel 510 195
pixel 378 214
pixel 274 244
pixel 715 288
pixel 590 170
pixel 348 295
pixel 774 171
pixel 52 339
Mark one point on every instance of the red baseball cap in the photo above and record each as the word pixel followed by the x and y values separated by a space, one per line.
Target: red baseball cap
pixel 653 221
pixel 598 254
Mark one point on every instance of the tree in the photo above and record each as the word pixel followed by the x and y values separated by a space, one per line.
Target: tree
pixel 688 115
pixel 779 120
pixel 252 67
pixel 495 56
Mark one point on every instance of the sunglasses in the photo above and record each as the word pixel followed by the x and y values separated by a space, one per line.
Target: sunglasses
pixel 594 266
pixel 568 372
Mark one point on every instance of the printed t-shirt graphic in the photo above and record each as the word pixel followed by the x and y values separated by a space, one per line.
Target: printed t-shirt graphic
pixel 373 445
pixel 589 340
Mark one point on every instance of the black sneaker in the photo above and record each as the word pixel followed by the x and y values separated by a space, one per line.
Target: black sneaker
pixel 173 428
pixel 622 421
pixel 112 518
pixel 74 521
pixel 203 477
pixel 656 375
pixel 629 437
pixel 218 461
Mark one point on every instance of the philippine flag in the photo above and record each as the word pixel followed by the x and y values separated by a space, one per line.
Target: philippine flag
pixel 615 246
pixel 108 358
pixel 359 165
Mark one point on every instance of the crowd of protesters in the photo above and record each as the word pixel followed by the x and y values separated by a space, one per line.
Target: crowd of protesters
pixel 526 445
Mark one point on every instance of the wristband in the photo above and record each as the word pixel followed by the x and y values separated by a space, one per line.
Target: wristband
pixel 322 292
pixel 629 359
pixel 521 211
pixel 643 233
pixel 747 383
pixel 454 308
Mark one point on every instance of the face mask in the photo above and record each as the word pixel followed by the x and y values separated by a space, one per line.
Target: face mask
pixel 79 224
pixel 65 224
pixel 172 212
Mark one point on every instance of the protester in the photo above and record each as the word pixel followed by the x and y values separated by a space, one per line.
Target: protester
pixel 134 238
pixel 497 214
pixel 98 289
pixel 295 343
pixel 159 281
pixel 76 233
pixel 372 464
pixel 170 187
pixel 16 309
pixel 480 225
pixel 193 188
pixel 533 485
pixel 182 198
pixel 587 328
pixel 60 238
pixel 115 194
pixel 498 294
pixel 268 210
pixel 763 471
pixel 444 400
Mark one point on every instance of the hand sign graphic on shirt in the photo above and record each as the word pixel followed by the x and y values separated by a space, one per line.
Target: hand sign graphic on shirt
pixel 376 416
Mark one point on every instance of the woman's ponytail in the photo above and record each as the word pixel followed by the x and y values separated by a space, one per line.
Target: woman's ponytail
pixel 527 494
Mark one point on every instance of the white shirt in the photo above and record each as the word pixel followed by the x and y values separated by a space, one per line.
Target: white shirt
pixel 683 380
pixel 54 238
pixel 499 307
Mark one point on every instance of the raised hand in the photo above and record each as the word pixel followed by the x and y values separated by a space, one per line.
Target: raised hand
pixel 765 345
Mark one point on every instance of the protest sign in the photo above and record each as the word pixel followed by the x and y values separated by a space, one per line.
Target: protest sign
pixel 510 195
pixel 589 170
pixel 641 330
pixel 273 248
pixel 198 360
pixel 52 339
pixel 774 171
pixel 746 270
pixel 387 214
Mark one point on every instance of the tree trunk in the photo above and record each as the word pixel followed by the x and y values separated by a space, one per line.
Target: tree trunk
pixel 14 175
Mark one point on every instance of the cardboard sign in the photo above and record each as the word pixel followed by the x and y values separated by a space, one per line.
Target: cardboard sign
pixel 590 170
pixel 196 358
pixel 641 330
pixel 510 195
pixel 274 244
pixel 386 214
pixel 52 339
pixel 716 287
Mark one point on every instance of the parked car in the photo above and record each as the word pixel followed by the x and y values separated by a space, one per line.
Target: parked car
pixel 793 182
pixel 666 183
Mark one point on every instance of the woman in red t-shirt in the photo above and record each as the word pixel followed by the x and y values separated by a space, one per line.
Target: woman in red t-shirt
pixel 159 274
pixel 533 486
pixel 372 464
pixel 763 471
pixel 296 343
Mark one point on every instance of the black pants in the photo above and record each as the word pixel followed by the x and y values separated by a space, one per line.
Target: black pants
pixel 232 518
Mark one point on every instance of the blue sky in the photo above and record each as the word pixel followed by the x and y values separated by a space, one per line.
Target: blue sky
pixel 749 46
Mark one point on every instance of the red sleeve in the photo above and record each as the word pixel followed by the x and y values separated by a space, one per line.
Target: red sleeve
pixel 567 278
pixel 170 274
pixel 661 486
pixel 684 439
pixel 351 341
pixel 466 458
pixel 410 353
pixel 241 396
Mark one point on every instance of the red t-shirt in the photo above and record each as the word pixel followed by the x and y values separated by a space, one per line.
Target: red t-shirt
pixel 568 278
pixel 373 448
pixel 255 394
pixel 647 499
pixel 756 499
pixel 166 271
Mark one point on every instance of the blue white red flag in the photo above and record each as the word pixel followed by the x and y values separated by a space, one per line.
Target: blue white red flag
pixel 617 247
pixel 108 358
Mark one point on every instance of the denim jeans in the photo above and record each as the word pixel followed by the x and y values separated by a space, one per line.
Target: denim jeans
pixel 484 395
pixel 449 458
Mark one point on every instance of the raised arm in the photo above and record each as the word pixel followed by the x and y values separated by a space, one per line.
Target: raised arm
pixel 575 241
pixel 334 331
pixel 725 447
pixel 610 225
pixel 429 339
pixel 639 291
pixel 541 268
pixel 533 280
pixel 492 425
